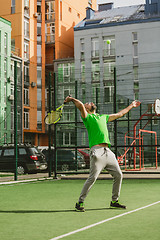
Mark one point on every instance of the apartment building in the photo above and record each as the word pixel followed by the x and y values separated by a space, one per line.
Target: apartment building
pixel 42 31
pixel 29 45
pixel 60 18
pixel 5 87
pixel 126 38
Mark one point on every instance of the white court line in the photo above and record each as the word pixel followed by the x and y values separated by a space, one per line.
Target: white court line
pixel 106 220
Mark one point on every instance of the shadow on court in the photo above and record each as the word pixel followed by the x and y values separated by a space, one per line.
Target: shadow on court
pixel 51 211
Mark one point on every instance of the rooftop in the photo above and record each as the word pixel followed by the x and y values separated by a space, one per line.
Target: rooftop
pixel 115 16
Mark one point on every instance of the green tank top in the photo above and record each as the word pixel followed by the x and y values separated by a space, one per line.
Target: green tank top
pixel 97 129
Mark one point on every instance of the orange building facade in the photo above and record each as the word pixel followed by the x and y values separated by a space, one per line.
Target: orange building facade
pixel 42 31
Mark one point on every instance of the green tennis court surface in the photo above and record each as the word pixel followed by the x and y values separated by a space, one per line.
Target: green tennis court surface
pixel 45 210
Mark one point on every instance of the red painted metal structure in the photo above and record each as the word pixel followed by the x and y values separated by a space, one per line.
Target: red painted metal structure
pixel 140 140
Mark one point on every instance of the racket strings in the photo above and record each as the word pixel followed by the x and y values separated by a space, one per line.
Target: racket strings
pixel 53 117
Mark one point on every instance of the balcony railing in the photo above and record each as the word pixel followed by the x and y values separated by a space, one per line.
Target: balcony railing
pixel 50 38
pixel 15 51
pixel 109 52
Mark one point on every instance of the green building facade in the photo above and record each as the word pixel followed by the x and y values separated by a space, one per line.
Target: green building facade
pixel 5 86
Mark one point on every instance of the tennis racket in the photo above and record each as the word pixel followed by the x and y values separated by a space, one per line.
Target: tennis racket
pixel 54 116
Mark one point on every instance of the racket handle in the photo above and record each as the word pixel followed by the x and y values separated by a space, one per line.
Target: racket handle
pixel 68 96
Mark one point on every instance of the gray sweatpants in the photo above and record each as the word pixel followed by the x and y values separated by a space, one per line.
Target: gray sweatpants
pixel 100 158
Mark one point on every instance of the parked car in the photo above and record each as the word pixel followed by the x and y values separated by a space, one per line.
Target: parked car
pixel 66 159
pixel 150 156
pixel 85 153
pixel 30 159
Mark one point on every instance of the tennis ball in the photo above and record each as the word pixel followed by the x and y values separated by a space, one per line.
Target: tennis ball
pixel 108 41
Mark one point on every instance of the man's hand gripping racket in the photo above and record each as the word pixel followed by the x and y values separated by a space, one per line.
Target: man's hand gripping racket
pixel 54 116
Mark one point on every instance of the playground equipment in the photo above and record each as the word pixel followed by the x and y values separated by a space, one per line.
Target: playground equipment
pixel 138 156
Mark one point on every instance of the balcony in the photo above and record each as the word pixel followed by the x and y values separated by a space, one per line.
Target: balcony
pixel 15 51
pixel 50 38
pixel 109 52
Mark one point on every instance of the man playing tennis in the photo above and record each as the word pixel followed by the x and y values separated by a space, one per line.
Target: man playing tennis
pixel 100 154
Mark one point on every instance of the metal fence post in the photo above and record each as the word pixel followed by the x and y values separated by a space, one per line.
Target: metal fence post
pixel 15 120
pixel 55 130
pixel 115 110
pixel 49 130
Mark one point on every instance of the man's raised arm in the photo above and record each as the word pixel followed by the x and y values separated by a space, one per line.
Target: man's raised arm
pixel 120 114
pixel 78 105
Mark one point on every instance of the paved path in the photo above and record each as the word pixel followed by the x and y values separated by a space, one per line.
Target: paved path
pixel 144 174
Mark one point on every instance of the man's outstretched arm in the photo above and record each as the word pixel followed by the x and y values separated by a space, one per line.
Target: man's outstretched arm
pixel 78 105
pixel 120 114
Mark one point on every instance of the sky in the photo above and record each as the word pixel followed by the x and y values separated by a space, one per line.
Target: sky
pixel 120 3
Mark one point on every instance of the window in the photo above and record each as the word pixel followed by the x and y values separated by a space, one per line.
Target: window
pixel 66 138
pixel 84 138
pixel 39 54
pixel 39 32
pixel 66 92
pixel 26 50
pixel 5 69
pixel 26 28
pixel 50 32
pixel 18 73
pixel 135 49
pixel 5 120
pixel 39 98
pixel 12 120
pixel 68 115
pixel 82 48
pixel 95 47
pixel 108 94
pixel 108 73
pixel 136 83
pixel 9 152
pixel 5 43
pixel 135 36
pixel 13 6
pixel 83 95
pixel 22 151
pixel 26 96
pixel 96 93
pixel 26 73
pixel 39 120
pixel 68 72
pixel 50 10
pixel 26 119
pixel 95 71
pixel 39 76
pixel 5 94
pixel 38 7
pixel 108 46
pixel 26 4
pixel 83 71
